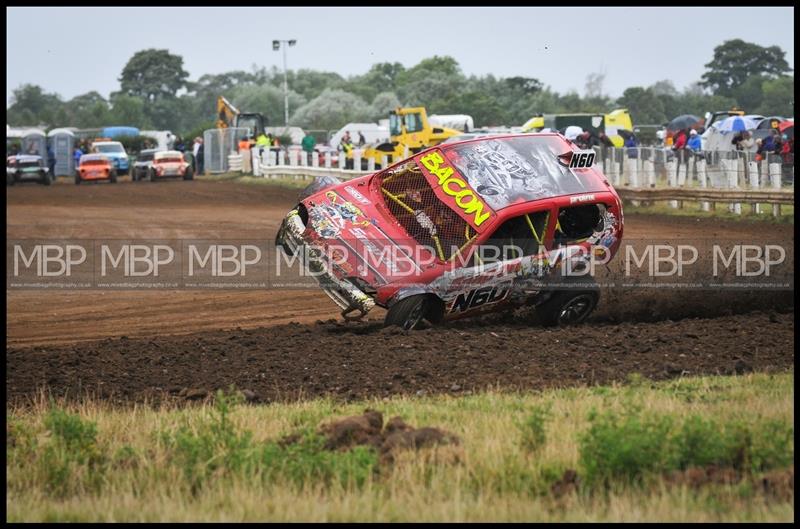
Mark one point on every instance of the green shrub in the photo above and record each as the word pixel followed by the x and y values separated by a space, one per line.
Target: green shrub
pixel 534 430
pixel 631 446
pixel 624 446
pixel 72 460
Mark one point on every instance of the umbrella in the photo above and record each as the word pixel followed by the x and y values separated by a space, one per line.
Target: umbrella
pixel 785 125
pixel 683 122
pixel 735 124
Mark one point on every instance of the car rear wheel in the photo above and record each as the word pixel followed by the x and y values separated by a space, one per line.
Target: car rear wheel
pixel 569 306
pixel 9 179
pixel 113 177
pixel 77 179
pixel 189 174
pixel 45 179
pixel 408 312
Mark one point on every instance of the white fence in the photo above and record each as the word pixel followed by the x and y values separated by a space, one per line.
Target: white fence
pixel 630 170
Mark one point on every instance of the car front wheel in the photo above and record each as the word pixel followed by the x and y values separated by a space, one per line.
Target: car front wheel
pixel 113 177
pixel 408 313
pixel 45 179
pixel 569 306
pixel 189 174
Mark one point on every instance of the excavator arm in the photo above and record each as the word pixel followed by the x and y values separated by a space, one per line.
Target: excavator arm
pixel 226 113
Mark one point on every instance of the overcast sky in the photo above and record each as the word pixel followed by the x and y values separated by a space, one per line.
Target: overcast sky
pixel 72 51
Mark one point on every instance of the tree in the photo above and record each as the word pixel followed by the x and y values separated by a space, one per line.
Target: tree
pixel 778 97
pixel 736 60
pixel 87 110
pixel 32 106
pixel 644 106
pixel 331 110
pixel 594 84
pixel 153 74
pixel 750 93
pixel 266 99
pixel 664 87
pixel 382 104
pixel 128 111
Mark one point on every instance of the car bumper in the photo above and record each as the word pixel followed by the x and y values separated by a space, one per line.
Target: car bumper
pixel 344 293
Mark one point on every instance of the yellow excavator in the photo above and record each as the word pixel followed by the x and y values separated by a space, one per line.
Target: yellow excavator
pixel 229 116
pixel 410 132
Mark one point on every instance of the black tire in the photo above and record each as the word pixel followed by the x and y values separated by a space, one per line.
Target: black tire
pixel 189 174
pixel 9 179
pixel 408 312
pixel 113 177
pixel 45 179
pixel 77 179
pixel 569 306
pixel 134 175
pixel 151 176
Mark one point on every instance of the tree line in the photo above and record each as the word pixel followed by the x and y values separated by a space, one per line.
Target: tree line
pixel 156 93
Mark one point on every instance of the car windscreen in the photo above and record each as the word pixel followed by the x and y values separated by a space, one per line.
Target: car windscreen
pixel 520 168
pixel 145 157
pixel 93 161
pixel 110 148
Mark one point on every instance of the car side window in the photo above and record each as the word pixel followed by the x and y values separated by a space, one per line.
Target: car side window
pixel 516 237
pixel 577 223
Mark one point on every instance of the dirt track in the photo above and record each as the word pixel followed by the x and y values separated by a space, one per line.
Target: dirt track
pixel 184 339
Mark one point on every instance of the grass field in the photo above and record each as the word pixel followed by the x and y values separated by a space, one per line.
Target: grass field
pixel 636 449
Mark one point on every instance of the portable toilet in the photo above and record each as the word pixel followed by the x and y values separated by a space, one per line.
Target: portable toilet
pixel 34 142
pixel 62 141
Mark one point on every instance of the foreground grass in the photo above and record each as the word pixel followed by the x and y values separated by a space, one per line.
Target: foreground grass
pixel 221 461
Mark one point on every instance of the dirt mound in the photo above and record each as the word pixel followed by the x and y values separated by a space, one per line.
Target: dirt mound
pixel 368 430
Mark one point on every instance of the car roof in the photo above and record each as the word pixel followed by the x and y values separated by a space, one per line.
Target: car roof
pixel 168 154
pixel 510 169
pixel 94 157
pixel 28 157
pixel 105 142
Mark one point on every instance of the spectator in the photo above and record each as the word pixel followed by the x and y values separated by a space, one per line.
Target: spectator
pixel 694 143
pixel 200 159
pixel 605 141
pixel 195 149
pixel 742 140
pixel 244 150
pixel 76 156
pixel 179 146
pixel 679 140
pixel 51 161
pixel 308 143
pixel 787 149
pixel 361 139
pixel 631 146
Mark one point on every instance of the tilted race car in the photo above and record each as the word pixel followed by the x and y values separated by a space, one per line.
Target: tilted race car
pixel 462 229
pixel 27 167
pixel 95 167
pixel 168 164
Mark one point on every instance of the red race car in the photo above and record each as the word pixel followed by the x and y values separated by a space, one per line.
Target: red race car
pixel 169 164
pixel 95 167
pixel 462 229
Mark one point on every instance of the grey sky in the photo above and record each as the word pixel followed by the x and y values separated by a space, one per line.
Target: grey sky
pixel 72 51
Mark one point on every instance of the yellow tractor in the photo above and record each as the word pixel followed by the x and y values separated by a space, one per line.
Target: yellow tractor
pixel 597 123
pixel 229 116
pixel 410 132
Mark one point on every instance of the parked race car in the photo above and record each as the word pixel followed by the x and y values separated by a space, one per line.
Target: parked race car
pixel 142 165
pixel 170 164
pixel 462 229
pixel 115 152
pixel 27 167
pixel 95 167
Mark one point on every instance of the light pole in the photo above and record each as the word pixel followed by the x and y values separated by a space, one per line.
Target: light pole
pixel 276 45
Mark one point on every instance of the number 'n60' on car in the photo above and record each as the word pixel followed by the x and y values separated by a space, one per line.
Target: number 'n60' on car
pixel 462 229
